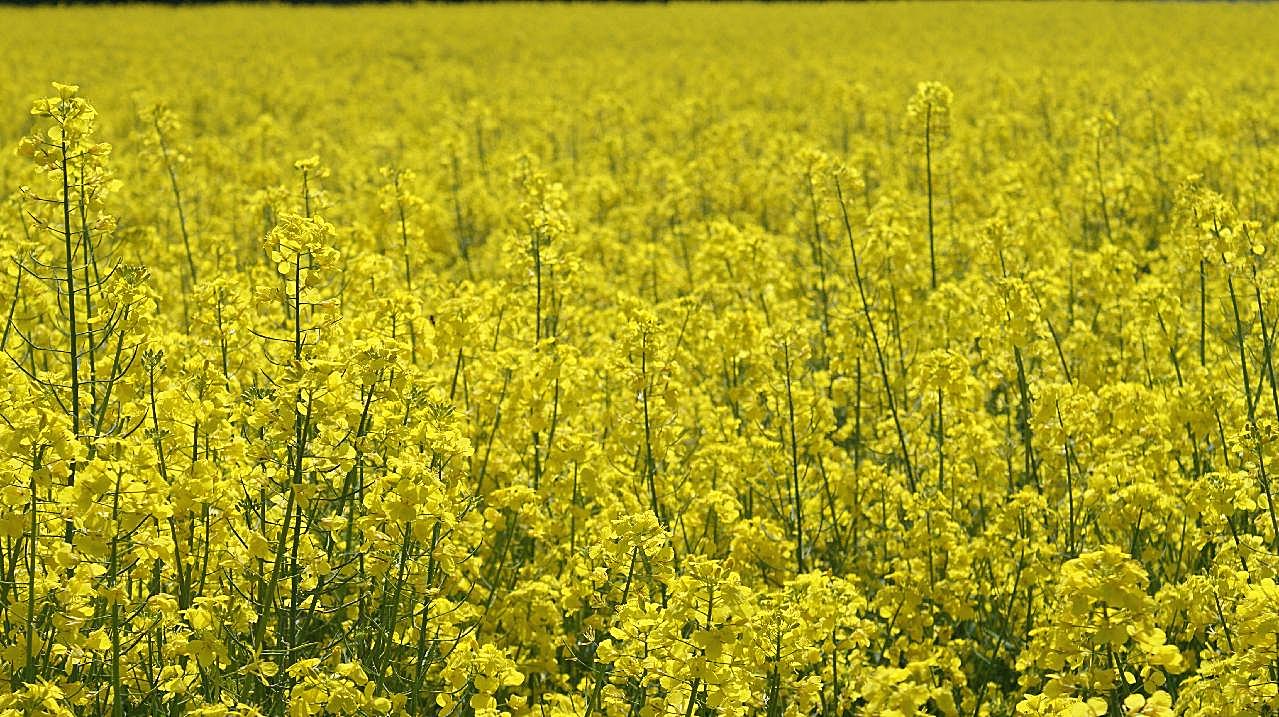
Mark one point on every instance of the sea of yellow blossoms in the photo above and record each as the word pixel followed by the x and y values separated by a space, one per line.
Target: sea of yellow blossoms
pixel 638 361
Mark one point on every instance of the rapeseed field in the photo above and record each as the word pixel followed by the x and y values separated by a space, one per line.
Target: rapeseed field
pixel 635 361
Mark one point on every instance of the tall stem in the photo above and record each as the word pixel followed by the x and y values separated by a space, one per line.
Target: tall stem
pixel 928 168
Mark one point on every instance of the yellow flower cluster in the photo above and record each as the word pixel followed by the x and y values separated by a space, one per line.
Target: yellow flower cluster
pixel 639 361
